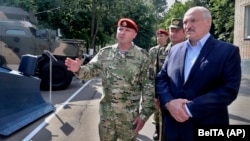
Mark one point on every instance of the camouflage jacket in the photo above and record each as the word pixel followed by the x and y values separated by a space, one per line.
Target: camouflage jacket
pixel 162 53
pixel 124 78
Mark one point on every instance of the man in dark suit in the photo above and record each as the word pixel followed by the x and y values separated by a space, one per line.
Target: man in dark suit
pixel 199 79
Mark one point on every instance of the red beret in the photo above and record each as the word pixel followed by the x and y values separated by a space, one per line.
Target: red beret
pixel 126 22
pixel 161 31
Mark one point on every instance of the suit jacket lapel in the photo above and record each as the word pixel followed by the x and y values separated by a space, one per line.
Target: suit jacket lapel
pixel 181 61
pixel 208 46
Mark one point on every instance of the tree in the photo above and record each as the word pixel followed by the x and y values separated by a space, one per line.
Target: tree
pixel 27 5
pixel 223 18
pixel 95 20
pixel 177 10
pixel 222 14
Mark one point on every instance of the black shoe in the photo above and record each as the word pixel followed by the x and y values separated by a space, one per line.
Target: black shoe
pixel 156 136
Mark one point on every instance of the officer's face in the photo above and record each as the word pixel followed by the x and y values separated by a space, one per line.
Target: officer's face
pixel 162 39
pixel 125 34
pixel 176 35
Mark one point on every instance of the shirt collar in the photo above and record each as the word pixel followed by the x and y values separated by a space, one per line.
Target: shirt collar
pixel 128 53
pixel 201 42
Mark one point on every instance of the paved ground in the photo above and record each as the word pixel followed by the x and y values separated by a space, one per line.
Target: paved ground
pixel 78 121
pixel 239 109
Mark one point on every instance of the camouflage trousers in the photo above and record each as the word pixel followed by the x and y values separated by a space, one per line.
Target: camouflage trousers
pixel 156 116
pixel 116 126
pixel 158 119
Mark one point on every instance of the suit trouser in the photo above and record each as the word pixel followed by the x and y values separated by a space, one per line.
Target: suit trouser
pixel 161 119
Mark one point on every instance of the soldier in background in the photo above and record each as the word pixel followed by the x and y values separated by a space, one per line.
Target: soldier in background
pixel 176 32
pixel 157 55
pixel 176 35
pixel 125 79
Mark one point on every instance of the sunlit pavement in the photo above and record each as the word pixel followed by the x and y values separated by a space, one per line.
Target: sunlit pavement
pixel 239 109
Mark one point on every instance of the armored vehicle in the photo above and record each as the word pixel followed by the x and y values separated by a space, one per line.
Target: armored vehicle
pixel 19 36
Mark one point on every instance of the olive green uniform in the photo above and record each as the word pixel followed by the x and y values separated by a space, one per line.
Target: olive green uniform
pixel 161 52
pixel 127 87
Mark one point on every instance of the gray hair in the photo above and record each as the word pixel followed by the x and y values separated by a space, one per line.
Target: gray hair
pixel 206 14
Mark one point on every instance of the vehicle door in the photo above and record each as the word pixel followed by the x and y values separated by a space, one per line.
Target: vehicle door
pixel 18 41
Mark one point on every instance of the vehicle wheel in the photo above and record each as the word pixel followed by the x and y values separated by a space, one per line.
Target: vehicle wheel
pixel 61 77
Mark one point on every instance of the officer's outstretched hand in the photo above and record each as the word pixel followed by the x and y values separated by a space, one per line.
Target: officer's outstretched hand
pixel 73 65
pixel 139 123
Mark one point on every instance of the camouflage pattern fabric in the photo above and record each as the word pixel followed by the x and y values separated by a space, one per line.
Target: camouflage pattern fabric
pixel 127 87
pixel 162 53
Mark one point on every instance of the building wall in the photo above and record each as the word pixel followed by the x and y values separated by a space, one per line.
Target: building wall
pixel 239 23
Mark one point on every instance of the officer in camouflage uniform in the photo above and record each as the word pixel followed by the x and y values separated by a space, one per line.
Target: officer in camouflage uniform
pixel 158 55
pixel 176 32
pixel 126 84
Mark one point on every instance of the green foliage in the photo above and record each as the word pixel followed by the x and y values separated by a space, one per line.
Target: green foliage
pixel 177 10
pixel 160 6
pixel 222 12
pixel 223 18
pixel 95 20
pixel 28 5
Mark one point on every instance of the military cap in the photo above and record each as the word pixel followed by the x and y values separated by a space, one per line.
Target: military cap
pixel 176 23
pixel 161 31
pixel 126 22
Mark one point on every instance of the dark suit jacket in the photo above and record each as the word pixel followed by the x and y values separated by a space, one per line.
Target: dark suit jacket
pixel 212 85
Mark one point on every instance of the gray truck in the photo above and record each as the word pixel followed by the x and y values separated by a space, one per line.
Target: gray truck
pixel 19 36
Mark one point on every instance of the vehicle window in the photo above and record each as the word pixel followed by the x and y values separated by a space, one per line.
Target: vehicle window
pixel 15 32
pixel 33 31
pixel 42 33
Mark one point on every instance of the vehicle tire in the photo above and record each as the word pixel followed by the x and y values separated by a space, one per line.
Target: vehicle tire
pixel 61 77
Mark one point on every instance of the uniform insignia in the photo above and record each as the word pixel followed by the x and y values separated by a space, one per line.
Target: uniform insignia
pixel 176 22
pixel 124 23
